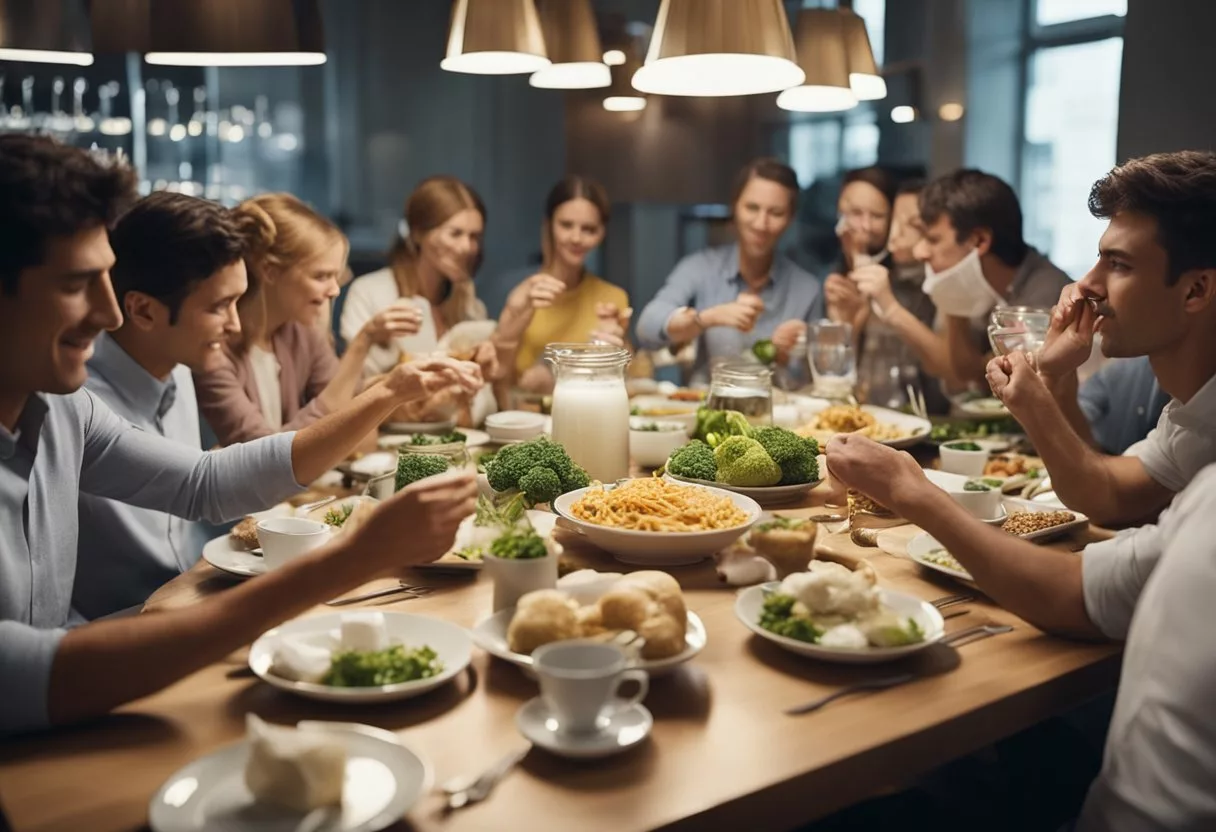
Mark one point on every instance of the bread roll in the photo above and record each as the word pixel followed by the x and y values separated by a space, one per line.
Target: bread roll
pixel 625 607
pixel 664 637
pixel 541 617
pixel 663 589
pixel 590 621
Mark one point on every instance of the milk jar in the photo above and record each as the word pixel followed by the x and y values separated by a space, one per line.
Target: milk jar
pixel 591 407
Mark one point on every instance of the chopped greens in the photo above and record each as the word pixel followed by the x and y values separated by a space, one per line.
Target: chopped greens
pixel 519 543
pixel 963 446
pixel 448 438
pixel 979 485
pixel 777 616
pixel 336 517
pixel 781 522
pixel 358 669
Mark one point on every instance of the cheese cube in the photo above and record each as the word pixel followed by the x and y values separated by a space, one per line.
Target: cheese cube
pixel 300 661
pixel 364 631
pixel 296 769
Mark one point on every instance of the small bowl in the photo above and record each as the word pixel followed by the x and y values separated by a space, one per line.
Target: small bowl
pixel 969 463
pixel 985 505
pixel 651 448
pixel 514 426
pixel 284 539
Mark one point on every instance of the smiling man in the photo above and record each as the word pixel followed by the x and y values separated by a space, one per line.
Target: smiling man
pixel 1152 293
pixel 57 440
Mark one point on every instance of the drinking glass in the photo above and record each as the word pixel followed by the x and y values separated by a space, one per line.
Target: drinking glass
pixel 833 360
pixel 1018 328
pixel 743 386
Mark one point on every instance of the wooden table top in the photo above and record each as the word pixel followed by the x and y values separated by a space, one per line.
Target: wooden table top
pixel 722 754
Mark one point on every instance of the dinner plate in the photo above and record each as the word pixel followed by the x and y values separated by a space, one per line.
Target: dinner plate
pixel 984 407
pixel 491 635
pixel 384 779
pixel 473 438
pixel 419 427
pixel 374 464
pixel 1013 504
pixel 921 547
pixel 771 495
pixel 450 642
pixel 916 428
pixel 224 555
pixel 660 548
pixel 542 521
pixel 750 602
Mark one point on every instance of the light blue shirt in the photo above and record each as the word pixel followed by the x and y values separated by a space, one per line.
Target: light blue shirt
pixel 1122 402
pixel 711 277
pixel 65 445
pixel 126 553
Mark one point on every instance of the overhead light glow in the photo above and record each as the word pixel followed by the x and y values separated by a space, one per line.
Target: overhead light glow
pixel 903 114
pixel 624 103
pixel 572 76
pixel 614 57
pixel 950 111
pixel 47 56
pixel 235 58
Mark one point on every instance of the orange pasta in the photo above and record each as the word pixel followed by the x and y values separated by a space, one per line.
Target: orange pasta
pixel 655 505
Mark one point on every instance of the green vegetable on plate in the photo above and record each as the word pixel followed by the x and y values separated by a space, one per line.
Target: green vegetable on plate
pixel 694 461
pixel 765 351
pixel 414 467
pixel 977 485
pixel 449 438
pixel 963 446
pixel 742 461
pixel 336 517
pixel 396 664
pixel 777 616
pixel 519 543
pixel 796 456
pixel 540 468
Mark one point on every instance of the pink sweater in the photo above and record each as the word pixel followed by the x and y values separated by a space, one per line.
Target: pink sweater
pixel 228 396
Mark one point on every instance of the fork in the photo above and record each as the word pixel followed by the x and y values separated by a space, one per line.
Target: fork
pixel 950 600
pixel 462 791
pixel 962 636
pixel 408 590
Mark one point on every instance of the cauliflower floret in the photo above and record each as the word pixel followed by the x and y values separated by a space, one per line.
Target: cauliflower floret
pixel 828 588
pixel 844 635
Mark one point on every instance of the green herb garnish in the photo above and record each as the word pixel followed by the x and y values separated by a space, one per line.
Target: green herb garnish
pixel 336 517
pixel 963 446
pixel 777 616
pixel 781 522
pixel 449 438
pixel 357 669
pixel 519 543
pixel 976 485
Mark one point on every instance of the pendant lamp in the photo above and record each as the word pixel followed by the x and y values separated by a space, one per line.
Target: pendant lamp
pixel 495 37
pixel 720 47
pixel 621 97
pixel 212 32
pixel 819 39
pixel 573 44
pixel 864 77
pixel 45 31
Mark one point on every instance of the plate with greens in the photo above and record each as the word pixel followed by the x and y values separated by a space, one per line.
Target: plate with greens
pixel 313 657
pixel 471 437
pixel 477 533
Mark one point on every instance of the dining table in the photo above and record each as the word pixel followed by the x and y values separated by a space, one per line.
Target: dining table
pixel 723 754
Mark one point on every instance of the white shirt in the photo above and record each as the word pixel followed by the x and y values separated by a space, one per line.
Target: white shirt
pixel 265 369
pixel 1159 767
pixel 1183 442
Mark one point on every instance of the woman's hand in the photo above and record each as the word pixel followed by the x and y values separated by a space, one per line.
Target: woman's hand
pixel 428 379
pixel 844 300
pixel 537 379
pixel 786 336
pixel 612 322
pixel 402 318
pixel 540 291
pixel 874 282
pixel 486 358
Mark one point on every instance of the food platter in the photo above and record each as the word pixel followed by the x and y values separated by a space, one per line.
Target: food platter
pixel 908 430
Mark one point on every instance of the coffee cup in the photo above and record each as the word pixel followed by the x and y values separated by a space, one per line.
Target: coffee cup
pixel 283 539
pixel 580 681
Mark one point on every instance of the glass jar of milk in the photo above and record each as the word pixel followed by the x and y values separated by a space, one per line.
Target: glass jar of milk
pixel 591 408
pixel 743 386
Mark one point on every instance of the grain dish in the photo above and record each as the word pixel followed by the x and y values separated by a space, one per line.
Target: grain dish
pixel 1029 522
pixel 655 505
pixel 847 419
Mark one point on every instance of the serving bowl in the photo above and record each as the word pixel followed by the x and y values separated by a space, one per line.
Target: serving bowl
pixel 651 448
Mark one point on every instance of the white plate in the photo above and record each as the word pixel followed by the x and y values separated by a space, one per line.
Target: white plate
pixel 450 642
pixel 1013 504
pixel 384 779
pixel 223 555
pixel 491 635
pixel 419 427
pixel 624 728
pixel 542 521
pixel 375 464
pixel 985 407
pixel 750 602
pixel 918 429
pixel 660 548
pixel 922 545
pixel 772 495
pixel 473 439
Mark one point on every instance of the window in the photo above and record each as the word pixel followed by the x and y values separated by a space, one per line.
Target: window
pixel 1071 127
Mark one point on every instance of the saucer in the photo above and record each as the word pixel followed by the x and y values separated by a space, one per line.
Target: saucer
pixel 626 728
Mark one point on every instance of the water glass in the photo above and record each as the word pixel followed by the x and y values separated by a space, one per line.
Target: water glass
pixel 833 360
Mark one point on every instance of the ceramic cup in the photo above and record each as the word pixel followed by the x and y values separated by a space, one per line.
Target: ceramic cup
pixel 955 460
pixel 283 539
pixel 515 578
pixel 580 680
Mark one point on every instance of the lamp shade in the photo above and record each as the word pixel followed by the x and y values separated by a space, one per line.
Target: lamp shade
pixel 573 44
pixel 495 37
pixel 720 47
pixel 621 97
pixel 819 39
pixel 212 32
pixel 864 77
pixel 45 31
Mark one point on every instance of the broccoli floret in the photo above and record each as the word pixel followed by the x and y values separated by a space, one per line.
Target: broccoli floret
pixel 743 461
pixel 797 456
pixel 509 467
pixel 540 485
pixel 694 461
pixel 414 467
pixel 715 425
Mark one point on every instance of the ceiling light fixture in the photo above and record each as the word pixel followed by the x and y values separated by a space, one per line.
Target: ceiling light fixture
pixel 819 39
pixel 495 37
pixel 719 48
pixel 45 32
pixel 865 79
pixel 614 57
pixel 573 45
pixel 621 97
pixel 903 114
pixel 950 111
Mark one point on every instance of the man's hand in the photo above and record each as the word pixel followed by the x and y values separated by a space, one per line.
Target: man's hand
pixel 1015 382
pixel 402 318
pixel 418 524
pixel 1070 336
pixel 874 283
pixel 786 335
pixel 428 377
pixel 843 299
pixel 740 314
pixel 887 476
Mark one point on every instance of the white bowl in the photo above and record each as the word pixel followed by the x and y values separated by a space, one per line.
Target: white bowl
pixel 651 448
pixel 967 463
pixel 986 505
pixel 660 548
pixel 514 425
pixel 669 410
pixel 284 539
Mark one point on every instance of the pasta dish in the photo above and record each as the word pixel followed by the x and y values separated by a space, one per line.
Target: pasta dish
pixel 842 418
pixel 655 505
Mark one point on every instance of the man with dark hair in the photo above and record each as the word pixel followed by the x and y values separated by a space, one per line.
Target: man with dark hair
pixel 1150 294
pixel 57 440
pixel 975 259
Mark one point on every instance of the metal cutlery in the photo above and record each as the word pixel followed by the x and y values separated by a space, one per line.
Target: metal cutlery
pixel 961 637
pixel 951 600
pixel 463 791
pixel 403 588
pixel 955 614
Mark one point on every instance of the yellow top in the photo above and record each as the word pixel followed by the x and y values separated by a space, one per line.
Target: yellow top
pixel 571 318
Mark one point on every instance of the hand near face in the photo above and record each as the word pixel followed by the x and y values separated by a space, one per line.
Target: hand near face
pixel 427 378
pixel 1070 336
pixel 540 291
pixel 874 283
pixel 402 318
pixel 889 477
pixel 843 299
pixel 1016 383
pixel 740 314
pixel 426 514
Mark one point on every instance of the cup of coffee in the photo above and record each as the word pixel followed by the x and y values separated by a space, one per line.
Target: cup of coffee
pixel 283 539
pixel 580 681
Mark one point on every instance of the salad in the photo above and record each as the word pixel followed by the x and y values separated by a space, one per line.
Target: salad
pixel 501 529
pixel 361 669
pixel 831 606
pixel 449 438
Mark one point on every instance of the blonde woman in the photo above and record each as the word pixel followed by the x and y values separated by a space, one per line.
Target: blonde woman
pixel 429 282
pixel 280 371
pixel 562 302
